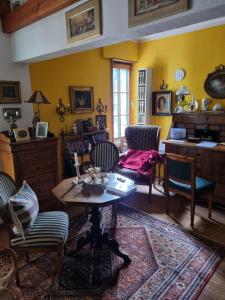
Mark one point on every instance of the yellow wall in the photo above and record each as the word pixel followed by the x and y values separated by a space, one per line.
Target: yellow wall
pixel 53 78
pixel 124 51
pixel 198 53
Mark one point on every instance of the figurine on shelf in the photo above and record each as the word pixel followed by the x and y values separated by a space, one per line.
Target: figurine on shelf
pixel 205 104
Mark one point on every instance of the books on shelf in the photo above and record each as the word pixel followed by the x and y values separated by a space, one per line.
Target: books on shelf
pixel 121 186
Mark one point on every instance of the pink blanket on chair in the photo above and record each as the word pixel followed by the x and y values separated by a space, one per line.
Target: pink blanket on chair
pixel 139 160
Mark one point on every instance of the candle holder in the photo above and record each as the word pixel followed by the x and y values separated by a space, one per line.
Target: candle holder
pixel 78 178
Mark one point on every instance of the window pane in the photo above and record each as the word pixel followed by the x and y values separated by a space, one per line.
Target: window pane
pixel 116 75
pixel 123 80
pixel 115 103
pixel 124 124
pixel 116 127
pixel 124 103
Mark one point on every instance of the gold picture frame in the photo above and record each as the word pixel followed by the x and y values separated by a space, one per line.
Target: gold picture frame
pixel 140 12
pixel 84 22
pixel 21 134
pixel 81 99
pixel 10 92
pixel 162 103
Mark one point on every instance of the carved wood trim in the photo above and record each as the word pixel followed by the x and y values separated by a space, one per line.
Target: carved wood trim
pixel 32 11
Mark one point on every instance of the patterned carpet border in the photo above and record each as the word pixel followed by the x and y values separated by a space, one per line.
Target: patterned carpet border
pixel 165 226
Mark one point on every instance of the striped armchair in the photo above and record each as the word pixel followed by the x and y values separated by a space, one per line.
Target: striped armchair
pixel 141 137
pixel 49 232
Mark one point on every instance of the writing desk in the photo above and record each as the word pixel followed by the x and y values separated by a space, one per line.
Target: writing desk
pixel 210 163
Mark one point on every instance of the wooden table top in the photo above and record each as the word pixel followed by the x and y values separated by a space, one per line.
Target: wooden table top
pixel 67 192
pixel 218 147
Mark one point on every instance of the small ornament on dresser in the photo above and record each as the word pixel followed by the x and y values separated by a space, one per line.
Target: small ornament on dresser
pixel 75 128
pixel 218 107
pixel 205 104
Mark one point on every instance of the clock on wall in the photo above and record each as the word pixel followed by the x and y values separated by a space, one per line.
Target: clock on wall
pixel 179 75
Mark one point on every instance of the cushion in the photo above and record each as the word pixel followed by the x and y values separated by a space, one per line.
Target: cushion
pixel 49 229
pixel 23 207
pixel 201 184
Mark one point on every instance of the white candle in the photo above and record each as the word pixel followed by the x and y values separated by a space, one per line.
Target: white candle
pixel 76 158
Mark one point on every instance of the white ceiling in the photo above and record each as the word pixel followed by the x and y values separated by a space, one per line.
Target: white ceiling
pixel 46 38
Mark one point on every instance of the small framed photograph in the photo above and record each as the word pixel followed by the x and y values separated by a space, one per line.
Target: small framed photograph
pixel 21 134
pixel 84 21
pixel 101 120
pixel 162 103
pixel 81 99
pixel 10 92
pixel 41 130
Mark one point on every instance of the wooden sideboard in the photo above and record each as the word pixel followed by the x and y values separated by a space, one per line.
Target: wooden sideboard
pixel 210 162
pixel 35 161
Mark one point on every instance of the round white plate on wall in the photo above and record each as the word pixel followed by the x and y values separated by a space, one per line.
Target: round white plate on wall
pixel 179 75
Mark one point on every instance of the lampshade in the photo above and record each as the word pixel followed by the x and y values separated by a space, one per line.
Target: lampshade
pixel 183 90
pixel 38 97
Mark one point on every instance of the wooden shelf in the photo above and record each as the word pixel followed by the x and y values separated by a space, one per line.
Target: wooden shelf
pixel 30 12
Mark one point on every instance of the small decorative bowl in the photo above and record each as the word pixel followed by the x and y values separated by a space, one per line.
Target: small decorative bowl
pixel 95 187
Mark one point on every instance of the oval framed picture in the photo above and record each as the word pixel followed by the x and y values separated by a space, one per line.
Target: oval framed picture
pixel 215 83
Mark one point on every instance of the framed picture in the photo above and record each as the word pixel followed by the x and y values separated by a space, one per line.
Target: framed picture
pixel 84 21
pixel 21 134
pixel 41 130
pixel 140 11
pixel 10 92
pixel 162 103
pixel 102 121
pixel 81 99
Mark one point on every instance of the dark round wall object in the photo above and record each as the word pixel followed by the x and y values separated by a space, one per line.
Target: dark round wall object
pixel 215 83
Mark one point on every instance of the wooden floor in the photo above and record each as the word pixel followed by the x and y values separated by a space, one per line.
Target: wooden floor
pixel 213 229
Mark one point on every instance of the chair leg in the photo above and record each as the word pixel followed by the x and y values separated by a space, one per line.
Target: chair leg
pixel 58 264
pixel 192 211
pixel 210 205
pixel 150 188
pixel 167 200
pixel 27 257
pixel 17 278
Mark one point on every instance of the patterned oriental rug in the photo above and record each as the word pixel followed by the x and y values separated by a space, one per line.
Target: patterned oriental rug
pixel 168 262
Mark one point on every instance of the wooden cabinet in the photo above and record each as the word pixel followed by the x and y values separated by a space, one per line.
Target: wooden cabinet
pixel 34 161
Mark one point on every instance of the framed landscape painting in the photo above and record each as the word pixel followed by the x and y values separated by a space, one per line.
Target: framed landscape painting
pixel 144 11
pixel 84 21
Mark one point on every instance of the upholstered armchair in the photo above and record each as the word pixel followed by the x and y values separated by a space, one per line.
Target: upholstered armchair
pixel 48 233
pixel 141 137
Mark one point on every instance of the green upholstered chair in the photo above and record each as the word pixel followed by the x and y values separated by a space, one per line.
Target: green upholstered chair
pixel 49 232
pixel 180 179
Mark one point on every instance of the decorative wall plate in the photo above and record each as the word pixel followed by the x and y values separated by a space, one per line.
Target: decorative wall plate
pixel 215 83
pixel 179 75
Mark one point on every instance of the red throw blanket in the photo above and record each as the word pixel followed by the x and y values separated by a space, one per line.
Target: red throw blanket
pixel 139 160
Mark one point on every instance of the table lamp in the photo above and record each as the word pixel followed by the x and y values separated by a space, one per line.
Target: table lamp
pixel 38 98
pixel 181 93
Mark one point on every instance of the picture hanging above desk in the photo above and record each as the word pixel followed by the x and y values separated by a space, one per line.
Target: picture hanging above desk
pixel 162 103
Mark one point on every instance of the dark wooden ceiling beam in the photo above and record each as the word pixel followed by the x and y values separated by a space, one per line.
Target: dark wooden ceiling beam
pixel 4 7
pixel 32 11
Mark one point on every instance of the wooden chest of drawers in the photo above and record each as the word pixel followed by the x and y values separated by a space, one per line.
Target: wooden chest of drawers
pixel 34 161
